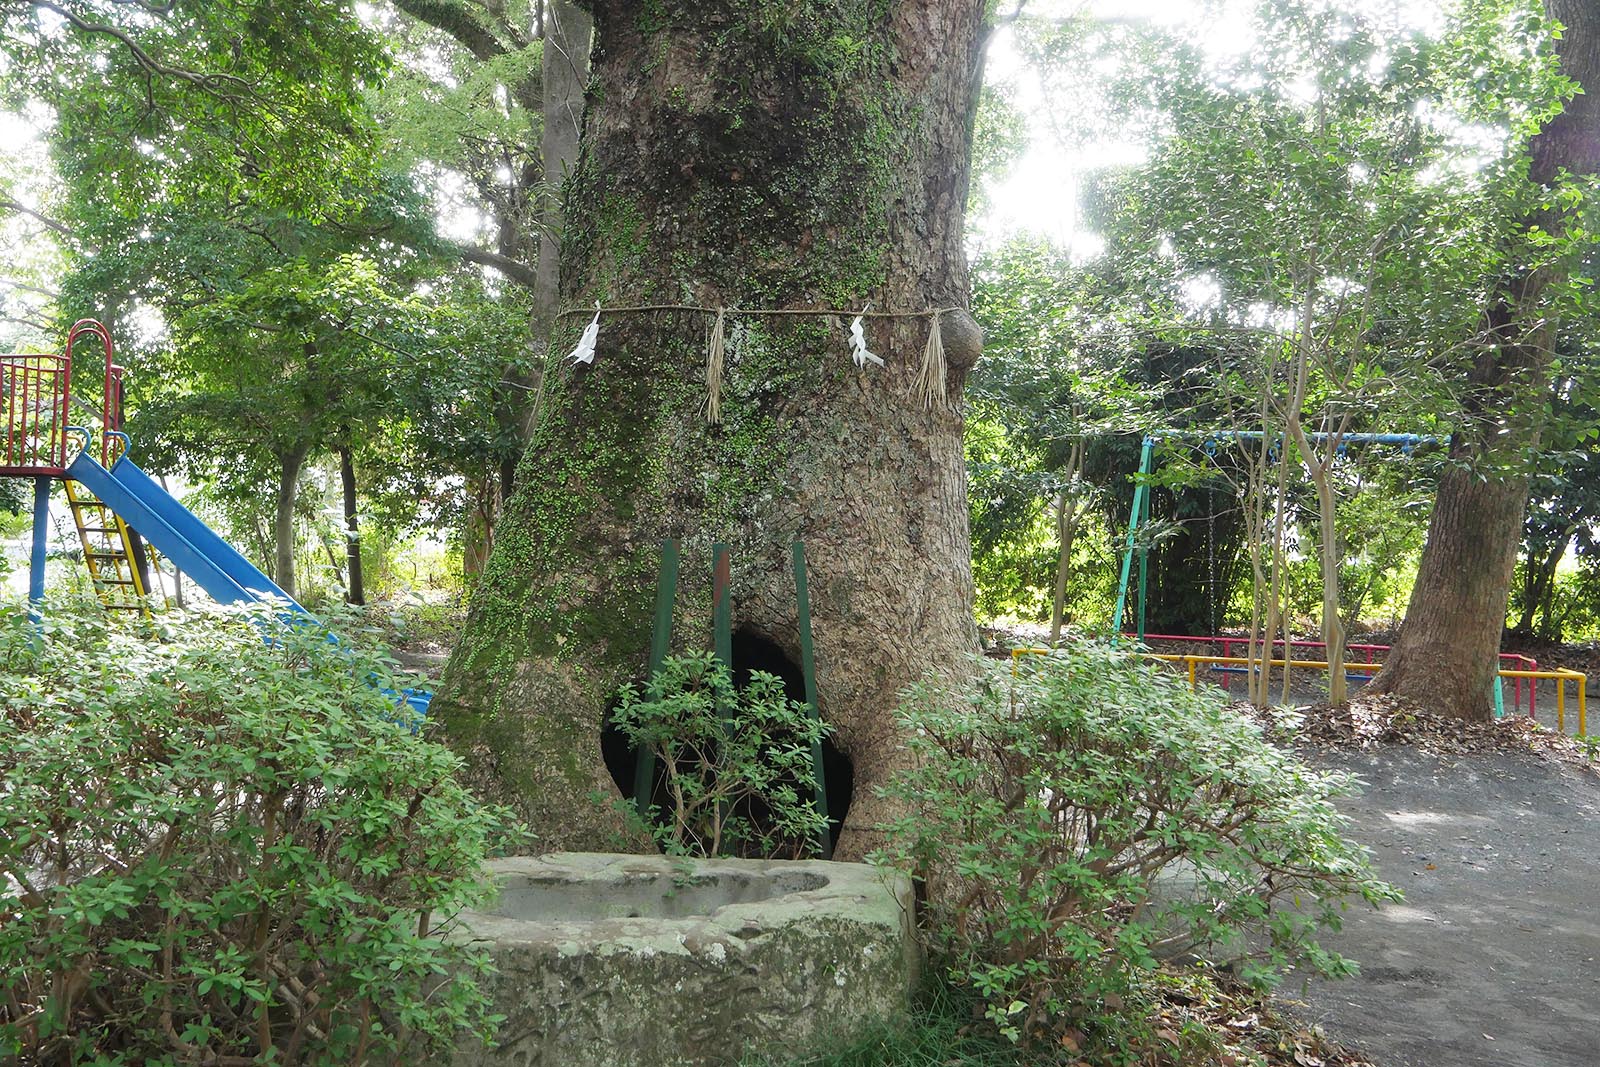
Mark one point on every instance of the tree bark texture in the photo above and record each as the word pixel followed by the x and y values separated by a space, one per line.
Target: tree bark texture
pixel 761 155
pixel 568 34
pixel 355 591
pixel 283 541
pixel 1446 654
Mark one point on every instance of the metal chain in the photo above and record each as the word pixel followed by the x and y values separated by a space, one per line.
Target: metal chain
pixel 1211 557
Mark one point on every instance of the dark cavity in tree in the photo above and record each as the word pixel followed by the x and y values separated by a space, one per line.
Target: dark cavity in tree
pixel 752 651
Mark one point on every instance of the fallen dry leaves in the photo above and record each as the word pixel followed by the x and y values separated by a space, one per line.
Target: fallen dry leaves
pixel 1254 1031
pixel 1369 721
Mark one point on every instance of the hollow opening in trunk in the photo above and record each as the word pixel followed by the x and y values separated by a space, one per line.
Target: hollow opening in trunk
pixel 752 651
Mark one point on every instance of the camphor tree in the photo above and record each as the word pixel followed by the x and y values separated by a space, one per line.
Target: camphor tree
pixel 789 156
pixel 1445 656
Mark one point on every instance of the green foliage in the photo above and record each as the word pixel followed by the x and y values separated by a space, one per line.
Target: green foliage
pixel 224 98
pixel 737 764
pixel 938 1034
pixel 218 192
pixel 1569 599
pixel 1564 500
pixel 273 361
pixel 1334 205
pixel 1348 194
pixel 999 138
pixel 216 848
pixel 1073 822
pixel 1053 374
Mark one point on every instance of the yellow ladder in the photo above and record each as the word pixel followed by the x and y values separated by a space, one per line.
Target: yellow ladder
pixel 108 552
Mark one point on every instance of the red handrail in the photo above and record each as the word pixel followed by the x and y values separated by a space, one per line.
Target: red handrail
pixel 33 389
pixel 111 414
pixel 35 394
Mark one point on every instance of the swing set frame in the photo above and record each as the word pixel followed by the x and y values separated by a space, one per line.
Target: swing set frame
pixel 1520 670
pixel 1140 515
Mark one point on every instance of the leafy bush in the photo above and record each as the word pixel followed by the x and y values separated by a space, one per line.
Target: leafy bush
pixel 735 763
pixel 214 850
pixel 1073 823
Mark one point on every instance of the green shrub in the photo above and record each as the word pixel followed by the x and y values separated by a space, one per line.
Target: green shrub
pixel 214 850
pixel 1074 823
pixel 737 765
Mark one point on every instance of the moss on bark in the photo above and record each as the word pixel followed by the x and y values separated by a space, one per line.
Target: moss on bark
pixel 755 155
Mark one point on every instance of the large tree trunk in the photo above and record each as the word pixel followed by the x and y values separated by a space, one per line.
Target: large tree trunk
pixel 568 33
pixel 781 155
pixel 1446 655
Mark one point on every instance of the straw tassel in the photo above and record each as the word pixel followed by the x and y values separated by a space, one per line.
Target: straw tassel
pixel 716 354
pixel 931 380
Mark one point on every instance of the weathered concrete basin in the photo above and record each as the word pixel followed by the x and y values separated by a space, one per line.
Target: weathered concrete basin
pixel 641 961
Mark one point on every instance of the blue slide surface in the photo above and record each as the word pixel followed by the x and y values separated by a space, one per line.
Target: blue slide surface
pixel 192 546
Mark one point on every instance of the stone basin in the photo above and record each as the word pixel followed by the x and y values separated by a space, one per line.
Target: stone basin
pixel 641 961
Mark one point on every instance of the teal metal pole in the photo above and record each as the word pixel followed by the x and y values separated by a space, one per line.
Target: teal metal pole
pixel 41 530
pixel 1139 491
pixel 644 772
pixel 808 670
pixel 1144 566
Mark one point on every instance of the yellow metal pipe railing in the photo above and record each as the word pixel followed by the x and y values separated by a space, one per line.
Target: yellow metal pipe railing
pixel 1560 677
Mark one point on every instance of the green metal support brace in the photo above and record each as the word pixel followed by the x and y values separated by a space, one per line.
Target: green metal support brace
pixel 808 669
pixel 722 616
pixel 644 774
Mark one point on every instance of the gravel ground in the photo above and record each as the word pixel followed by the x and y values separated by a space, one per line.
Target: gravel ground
pixel 1493 960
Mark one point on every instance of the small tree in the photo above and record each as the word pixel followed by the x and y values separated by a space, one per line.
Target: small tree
pixel 1074 821
pixel 737 764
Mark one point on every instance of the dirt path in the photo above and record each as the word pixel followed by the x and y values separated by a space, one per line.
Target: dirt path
pixel 1494 958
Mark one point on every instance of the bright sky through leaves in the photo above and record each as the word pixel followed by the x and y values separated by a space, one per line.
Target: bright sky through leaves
pixel 1040 192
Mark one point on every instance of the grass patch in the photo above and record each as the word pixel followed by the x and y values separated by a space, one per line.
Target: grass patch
pixel 938 1034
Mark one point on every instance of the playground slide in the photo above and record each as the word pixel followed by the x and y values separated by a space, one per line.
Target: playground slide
pixel 192 546
pixel 195 548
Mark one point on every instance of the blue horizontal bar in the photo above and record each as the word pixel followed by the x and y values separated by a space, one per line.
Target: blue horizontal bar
pixel 1256 435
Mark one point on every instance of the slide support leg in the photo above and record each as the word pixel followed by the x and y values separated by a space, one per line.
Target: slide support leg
pixel 41 530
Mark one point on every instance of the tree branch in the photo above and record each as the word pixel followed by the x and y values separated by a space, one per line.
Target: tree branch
pixel 457 20
pixel 514 269
pixel 12 283
pixel 212 83
pixel 7 204
pixel 470 29
pixel 1016 13
pixel 32 324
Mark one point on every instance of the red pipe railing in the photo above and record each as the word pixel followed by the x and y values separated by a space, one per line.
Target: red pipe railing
pixel 35 394
pixel 33 390
pixel 111 396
